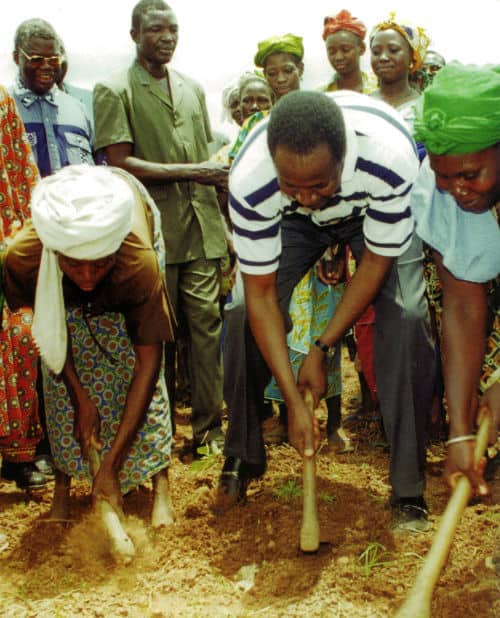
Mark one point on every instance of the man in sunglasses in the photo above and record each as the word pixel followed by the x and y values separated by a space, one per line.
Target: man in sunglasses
pixel 58 128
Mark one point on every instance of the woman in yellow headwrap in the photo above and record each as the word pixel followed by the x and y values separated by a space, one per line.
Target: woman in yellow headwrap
pixel 397 50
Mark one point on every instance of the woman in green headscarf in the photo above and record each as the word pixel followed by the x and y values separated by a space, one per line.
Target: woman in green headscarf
pixel 455 204
pixel 280 58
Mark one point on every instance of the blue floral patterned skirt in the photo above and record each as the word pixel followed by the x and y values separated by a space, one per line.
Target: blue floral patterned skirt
pixel 105 370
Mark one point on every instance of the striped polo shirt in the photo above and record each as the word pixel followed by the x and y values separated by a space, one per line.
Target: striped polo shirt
pixel 380 166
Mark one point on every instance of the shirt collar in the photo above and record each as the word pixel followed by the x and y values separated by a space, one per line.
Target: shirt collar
pixel 28 97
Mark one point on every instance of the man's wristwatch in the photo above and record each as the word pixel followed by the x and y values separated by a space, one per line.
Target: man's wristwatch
pixel 327 350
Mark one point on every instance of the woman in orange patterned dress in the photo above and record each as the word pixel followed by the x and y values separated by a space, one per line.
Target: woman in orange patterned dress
pixel 20 429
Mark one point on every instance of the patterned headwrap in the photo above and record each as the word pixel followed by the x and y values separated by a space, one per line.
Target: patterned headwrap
pixel 460 111
pixel 285 44
pixel 415 35
pixel 343 21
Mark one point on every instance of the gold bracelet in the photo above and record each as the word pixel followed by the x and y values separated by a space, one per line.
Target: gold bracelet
pixel 458 439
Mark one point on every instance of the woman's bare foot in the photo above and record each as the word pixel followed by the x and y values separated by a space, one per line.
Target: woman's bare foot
pixel 163 511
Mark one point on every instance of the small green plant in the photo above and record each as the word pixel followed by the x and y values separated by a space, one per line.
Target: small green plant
pixel 289 490
pixel 326 497
pixel 374 555
pixel 377 555
pixel 208 458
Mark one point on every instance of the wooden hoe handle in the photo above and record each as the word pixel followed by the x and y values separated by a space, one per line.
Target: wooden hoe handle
pixel 418 601
pixel 121 544
pixel 309 532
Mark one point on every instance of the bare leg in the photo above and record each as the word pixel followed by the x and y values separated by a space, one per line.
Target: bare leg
pixel 60 500
pixel 163 511
pixel 335 432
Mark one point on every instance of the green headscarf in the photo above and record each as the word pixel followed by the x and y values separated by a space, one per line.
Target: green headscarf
pixel 285 44
pixel 460 110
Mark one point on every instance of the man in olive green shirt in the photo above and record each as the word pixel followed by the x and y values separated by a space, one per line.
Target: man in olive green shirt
pixel 153 122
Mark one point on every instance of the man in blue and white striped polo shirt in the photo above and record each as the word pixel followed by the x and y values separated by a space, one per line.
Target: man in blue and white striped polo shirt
pixel 324 169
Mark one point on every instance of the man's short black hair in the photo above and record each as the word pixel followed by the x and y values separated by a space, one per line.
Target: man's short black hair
pixel 142 7
pixel 302 120
pixel 33 28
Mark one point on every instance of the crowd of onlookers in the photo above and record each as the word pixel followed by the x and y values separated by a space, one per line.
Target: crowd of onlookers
pixel 142 252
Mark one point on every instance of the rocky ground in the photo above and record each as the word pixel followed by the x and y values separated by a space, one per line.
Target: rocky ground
pixel 247 562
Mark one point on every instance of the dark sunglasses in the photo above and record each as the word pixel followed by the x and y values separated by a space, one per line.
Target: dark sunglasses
pixel 38 61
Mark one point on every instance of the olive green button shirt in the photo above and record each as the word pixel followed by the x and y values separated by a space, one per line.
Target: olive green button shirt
pixel 134 107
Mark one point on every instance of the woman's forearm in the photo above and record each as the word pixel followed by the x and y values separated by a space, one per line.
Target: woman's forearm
pixel 462 347
pixel 140 393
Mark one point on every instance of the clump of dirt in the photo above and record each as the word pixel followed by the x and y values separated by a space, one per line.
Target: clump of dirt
pixel 247 562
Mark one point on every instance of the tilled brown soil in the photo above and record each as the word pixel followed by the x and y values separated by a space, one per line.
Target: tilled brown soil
pixel 247 562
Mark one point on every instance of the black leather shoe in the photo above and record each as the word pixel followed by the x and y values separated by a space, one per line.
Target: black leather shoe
pixel 410 514
pixel 233 478
pixel 233 483
pixel 25 475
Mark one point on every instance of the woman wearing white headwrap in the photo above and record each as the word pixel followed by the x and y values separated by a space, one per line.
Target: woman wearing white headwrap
pixel 92 265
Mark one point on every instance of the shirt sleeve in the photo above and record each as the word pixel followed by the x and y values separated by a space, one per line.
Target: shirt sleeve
pixel 20 268
pixel 388 227
pixel 148 317
pixel 387 179
pixel 257 240
pixel 469 242
pixel 141 293
pixel 255 208
pixel 110 118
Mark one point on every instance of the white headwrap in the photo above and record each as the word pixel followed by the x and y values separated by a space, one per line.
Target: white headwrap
pixel 83 212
